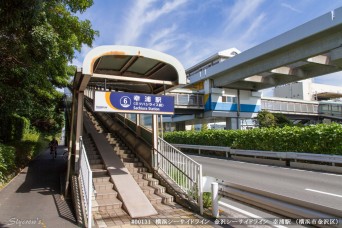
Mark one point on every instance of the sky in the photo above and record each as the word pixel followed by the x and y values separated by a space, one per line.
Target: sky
pixel 192 30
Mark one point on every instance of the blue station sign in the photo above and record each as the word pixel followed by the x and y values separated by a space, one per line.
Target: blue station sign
pixel 133 103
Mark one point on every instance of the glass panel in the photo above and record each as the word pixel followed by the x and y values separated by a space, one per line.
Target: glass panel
pixel 290 107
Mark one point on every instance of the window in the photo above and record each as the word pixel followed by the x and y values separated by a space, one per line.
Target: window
pixel 227 99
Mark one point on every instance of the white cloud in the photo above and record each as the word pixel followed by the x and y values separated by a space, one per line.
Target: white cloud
pixel 242 11
pixel 290 7
pixel 141 15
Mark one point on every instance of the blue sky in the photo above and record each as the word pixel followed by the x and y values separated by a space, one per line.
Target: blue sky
pixel 192 30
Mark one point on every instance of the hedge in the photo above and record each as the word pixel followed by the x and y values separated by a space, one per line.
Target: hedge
pixel 7 161
pixel 13 128
pixel 321 138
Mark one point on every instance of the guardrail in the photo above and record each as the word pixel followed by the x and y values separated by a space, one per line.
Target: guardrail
pixel 280 204
pixel 86 178
pixel 335 159
pixel 183 170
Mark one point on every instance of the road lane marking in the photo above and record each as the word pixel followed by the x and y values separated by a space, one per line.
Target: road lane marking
pixel 248 214
pixel 273 166
pixel 326 193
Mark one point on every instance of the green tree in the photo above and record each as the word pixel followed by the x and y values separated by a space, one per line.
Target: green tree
pixel 282 120
pixel 266 119
pixel 37 40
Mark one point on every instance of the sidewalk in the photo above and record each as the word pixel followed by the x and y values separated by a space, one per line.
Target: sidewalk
pixel 33 198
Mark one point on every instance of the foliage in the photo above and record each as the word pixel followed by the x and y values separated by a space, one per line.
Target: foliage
pixel 265 119
pixel 7 161
pixel 282 120
pixel 14 127
pixel 205 137
pixel 19 153
pixel 37 40
pixel 207 201
pixel 322 138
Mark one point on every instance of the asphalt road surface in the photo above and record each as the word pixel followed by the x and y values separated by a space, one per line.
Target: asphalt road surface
pixel 310 186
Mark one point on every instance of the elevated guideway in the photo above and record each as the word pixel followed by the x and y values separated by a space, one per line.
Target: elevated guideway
pixel 310 50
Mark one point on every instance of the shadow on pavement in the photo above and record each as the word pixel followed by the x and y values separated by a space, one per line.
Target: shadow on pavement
pixel 36 194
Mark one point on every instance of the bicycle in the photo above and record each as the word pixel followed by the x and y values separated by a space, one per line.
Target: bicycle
pixel 53 152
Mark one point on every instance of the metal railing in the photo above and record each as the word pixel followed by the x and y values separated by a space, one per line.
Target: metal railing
pixel 278 203
pixel 86 178
pixel 183 170
pixel 289 106
pixel 188 99
pixel 308 157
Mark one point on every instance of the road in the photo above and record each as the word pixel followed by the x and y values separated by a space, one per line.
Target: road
pixel 310 186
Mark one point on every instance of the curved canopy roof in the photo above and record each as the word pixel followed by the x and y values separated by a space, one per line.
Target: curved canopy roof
pixel 130 69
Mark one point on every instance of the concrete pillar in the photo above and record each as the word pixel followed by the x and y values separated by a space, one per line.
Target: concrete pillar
pixel 233 123
pixel 79 123
pixel 214 200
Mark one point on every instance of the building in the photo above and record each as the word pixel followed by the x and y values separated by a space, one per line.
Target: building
pixel 308 91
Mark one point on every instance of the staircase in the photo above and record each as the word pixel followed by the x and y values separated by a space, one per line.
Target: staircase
pixel 150 186
pixel 108 209
pixel 105 200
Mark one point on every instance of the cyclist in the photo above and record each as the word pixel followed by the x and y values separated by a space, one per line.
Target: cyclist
pixel 53 147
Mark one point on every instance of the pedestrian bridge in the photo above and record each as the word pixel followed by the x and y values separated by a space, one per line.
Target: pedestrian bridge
pixel 122 168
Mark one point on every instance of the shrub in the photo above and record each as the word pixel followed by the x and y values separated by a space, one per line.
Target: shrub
pixel 7 161
pixel 321 138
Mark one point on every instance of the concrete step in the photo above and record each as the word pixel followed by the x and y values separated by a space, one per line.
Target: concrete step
pixel 99 186
pixel 133 164
pixel 99 172
pixel 147 190
pixel 152 181
pixel 136 169
pixel 137 176
pixel 95 161
pixel 166 198
pixel 104 178
pixel 142 182
pixel 106 194
pixel 97 166
pixel 131 155
pixel 106 204
pixel 93 156
pixel 130 160
pixel 158 189
pixel 146 175
pixel 123 151
pixel 154 199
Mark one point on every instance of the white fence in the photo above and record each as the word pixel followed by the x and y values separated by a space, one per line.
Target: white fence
pixel 186 172
pixel 86 178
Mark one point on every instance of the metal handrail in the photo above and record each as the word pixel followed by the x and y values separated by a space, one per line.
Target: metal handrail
pixel 183 170
pixel 86 177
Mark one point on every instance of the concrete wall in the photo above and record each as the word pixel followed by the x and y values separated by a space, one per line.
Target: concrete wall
pixel 249 101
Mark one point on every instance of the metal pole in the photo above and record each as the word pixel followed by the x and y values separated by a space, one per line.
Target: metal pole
pixel 214 199
pixel 238 110
pixel 200 185
pixel 155 139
